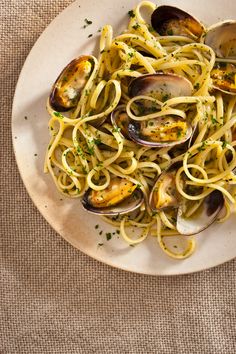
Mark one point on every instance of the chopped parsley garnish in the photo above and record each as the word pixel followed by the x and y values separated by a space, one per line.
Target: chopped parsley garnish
pixel 136 26
pixel 165 97
pixel 179 133
pixel 97 141
pixel 59 115
pixel 108 236
pixel 131 14
pixel 130 54
pixel 80 152
pixel 116 130
pixel 203 146
pixel 224 144
pixel 90 150
pixel 87 23
pixel 213 120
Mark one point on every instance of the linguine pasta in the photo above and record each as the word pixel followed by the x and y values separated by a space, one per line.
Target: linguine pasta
pixel 86 151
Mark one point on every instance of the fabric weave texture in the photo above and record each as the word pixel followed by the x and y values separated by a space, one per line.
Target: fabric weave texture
pixel 53 298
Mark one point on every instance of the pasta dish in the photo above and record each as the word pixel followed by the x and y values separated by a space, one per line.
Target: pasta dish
pixel 145 134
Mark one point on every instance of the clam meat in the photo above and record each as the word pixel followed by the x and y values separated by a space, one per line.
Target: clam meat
pixel 169 20
pixel 224 77
pixel 120 197
pixel 221 37
pixel 166 131
pixel 67 89
pixel 160 86
pixel 164 196
pixel 205 215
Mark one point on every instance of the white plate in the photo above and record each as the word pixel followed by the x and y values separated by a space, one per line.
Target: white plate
pixel 63 40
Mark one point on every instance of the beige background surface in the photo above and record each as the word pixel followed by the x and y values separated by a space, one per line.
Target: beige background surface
pixel 53 299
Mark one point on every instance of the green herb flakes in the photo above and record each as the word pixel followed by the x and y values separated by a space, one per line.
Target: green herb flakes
pixel 59 115
pixel 108 236
pixel 131 14
pixel 87 23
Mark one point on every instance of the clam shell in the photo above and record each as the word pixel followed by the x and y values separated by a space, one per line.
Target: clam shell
pixel 170 173
pixel 63 95
pixel 118 123
pixel 136 135
pixel 221 37
pixel 130 204
pixel 170 20
pixel 203 218
pixel 161 86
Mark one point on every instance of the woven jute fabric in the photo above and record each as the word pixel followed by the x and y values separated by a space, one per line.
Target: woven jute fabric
pixel 53 298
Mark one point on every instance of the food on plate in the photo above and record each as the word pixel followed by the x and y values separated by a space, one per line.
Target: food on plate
pixel 145 134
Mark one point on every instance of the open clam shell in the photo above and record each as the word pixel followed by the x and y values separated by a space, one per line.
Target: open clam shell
pixel 160 86
pixel 221 37
pixel 224 78
pixel 160 132
pixel 203 218
pixel 170 20
pixel 67 88
pixel 125 200
pixel 164 194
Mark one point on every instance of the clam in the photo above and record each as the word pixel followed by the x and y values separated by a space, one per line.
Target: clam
pixel 67 89
pixel 164 196
pixel 203 217
pixel 167 131
pixel 169 20
pixel 160 86
pixel 221 37
pixel 120 120
pixel 161 131
pixel 224 77
pixel 120 197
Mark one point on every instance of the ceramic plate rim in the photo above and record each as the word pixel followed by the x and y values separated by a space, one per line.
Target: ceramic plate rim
pixel 44 212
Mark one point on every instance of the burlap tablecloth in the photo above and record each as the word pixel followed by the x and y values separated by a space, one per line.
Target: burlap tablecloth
pixel 53 298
